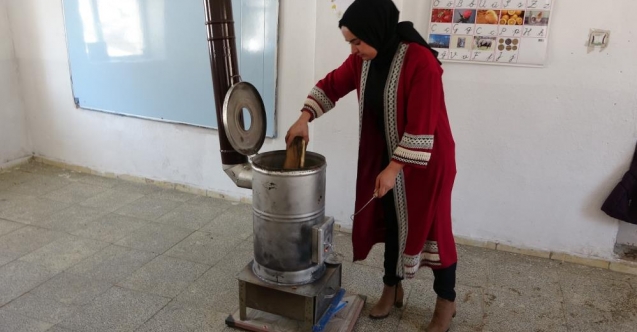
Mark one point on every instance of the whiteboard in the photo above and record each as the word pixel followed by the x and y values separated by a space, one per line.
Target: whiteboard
pixel 503 32
pixel 150 58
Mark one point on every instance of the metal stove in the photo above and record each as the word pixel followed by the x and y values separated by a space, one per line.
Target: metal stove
pixel 294 273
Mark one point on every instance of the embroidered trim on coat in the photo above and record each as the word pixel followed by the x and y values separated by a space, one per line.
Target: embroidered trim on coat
pixel 313 106
pixel 412 157
pixel 321 97
pixel 420 142
pixel 431 247
pixel 430 255
pixel 411 261
pixel 430 258
pixel 361 101
pixel 411 265
pixel 392 138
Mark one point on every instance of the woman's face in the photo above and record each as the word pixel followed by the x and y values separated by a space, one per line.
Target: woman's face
pixel 358 46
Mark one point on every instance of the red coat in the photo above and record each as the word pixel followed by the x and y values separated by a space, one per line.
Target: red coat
pixel 419 136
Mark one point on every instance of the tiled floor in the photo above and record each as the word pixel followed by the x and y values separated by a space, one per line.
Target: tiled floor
pixel 84 253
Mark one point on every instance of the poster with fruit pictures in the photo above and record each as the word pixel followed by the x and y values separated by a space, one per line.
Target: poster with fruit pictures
pixel 511 32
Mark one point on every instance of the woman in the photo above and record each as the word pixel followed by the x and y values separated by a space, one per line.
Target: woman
pixel 406 151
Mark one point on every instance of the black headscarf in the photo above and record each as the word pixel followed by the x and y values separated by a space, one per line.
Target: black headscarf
pixel 376 23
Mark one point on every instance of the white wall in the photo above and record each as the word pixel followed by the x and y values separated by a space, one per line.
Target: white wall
pixel 533 173
pixel 14 143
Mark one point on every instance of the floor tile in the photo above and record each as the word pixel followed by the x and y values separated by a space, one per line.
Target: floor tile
pixel 238 258
pixel 18 277
pixel 110 228
pixel 179 317
pixel 523 274
pixel 594 301
pixel 164 276
pixel 512 310
pixel 64 253
pixel 58 328
pixel 7 226
pixel 111 200
pixel 204 248
pixel 375 258
pixel 472 269
pixel 585 318
pixel 192 216
pixel 236 221
pixel 39 185
pixel 27 239
pixel 73 218
pixel 148 208
pixel 116 310
pixel 364 280
pixel 9 199
pixel 216 290
pixel 42 309
pixel 12 177
pixel 71 289
pixel 12 322
pixel 156 238
pixel 75 193
pixel 365 323
pixel 6 257
pixel 112 264
pixel 33 210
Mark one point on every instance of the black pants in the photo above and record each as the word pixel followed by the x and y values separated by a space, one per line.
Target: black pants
pixel 444 279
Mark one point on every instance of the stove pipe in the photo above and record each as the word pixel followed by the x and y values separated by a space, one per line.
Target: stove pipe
pixel 225 72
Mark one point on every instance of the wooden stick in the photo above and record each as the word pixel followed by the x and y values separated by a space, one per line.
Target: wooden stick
pixel 303 147
pixel 295 154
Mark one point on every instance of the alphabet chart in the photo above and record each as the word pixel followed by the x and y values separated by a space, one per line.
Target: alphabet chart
pixel 512 32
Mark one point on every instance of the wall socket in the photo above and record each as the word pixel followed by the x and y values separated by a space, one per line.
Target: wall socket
pixel 598 38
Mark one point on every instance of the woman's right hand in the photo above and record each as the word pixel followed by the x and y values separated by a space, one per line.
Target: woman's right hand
pixel 299 128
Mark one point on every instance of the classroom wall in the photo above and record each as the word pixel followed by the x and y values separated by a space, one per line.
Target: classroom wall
pixel 14 142
pixel 538 149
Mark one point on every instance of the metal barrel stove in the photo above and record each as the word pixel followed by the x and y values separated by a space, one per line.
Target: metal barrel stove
pixel 292 236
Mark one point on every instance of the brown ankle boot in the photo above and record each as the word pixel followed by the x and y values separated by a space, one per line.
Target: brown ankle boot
pixel 443 314
pixel 392 296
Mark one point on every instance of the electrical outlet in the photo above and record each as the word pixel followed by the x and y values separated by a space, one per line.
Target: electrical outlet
pixel 598 38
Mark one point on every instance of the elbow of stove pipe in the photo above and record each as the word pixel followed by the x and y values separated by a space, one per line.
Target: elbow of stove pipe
pixel 240 174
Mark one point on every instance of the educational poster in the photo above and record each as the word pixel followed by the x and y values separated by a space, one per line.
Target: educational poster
pixel 512 32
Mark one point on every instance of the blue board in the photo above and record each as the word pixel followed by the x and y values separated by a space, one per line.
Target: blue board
pixel 150 59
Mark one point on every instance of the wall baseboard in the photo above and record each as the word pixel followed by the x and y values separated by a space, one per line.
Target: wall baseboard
pixel 616 265
pixel 15 162
pixel 137 179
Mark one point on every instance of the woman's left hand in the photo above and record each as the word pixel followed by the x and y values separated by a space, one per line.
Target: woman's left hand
pixel 386 180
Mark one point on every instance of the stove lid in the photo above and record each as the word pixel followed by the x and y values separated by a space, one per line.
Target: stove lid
pixel 243 98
